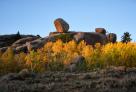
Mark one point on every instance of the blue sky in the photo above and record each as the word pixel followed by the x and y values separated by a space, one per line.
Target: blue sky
pixel 37 16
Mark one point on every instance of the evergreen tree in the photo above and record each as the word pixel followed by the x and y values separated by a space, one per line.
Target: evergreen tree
pixel 126 37
pixel 18 36
pixel 18 33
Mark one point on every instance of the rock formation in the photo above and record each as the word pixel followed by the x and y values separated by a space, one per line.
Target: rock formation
pixel 26 43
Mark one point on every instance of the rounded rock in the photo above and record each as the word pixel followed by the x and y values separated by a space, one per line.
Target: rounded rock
pixel 112 37
pixel 61 25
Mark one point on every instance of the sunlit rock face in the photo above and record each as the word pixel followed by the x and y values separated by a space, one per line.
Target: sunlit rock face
pixel 61 25
pixel 100 30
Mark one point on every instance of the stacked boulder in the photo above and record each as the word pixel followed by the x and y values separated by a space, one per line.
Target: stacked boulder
pixel 111 37
pixel 91 38
pixel 61 25
pixel 100 30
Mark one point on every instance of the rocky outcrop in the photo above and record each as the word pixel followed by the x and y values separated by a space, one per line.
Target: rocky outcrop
pixel 61 25
pixel 91 38
pixel 25 43
pixel 33 43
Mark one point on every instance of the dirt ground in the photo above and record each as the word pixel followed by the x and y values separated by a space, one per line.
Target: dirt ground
pixel 108 80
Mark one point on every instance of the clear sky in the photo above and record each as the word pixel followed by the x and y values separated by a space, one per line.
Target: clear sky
pixel 37 16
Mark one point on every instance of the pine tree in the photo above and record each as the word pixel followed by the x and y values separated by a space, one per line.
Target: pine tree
pixel 18 36
pixel 126 37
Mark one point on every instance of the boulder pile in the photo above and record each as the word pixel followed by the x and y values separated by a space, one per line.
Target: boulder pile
pixel 91 38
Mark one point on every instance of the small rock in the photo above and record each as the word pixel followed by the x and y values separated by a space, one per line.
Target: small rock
pixel 72 68
pixel 24 73
pixel 78 60
pixel 119 68
pixel 75 62
pixel 84 76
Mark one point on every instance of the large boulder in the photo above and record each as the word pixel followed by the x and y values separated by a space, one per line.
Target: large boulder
pixel 91 38
pixel 112 37
pixel 36 44
pixel 61 25
pixel 100 30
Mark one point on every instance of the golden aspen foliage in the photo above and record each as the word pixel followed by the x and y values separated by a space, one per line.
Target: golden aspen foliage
pixel 55 56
